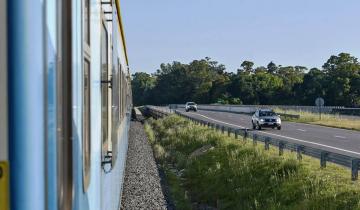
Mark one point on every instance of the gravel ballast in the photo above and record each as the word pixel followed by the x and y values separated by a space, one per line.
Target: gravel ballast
pixel 142 188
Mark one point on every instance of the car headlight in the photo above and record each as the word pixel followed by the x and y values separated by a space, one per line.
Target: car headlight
pixel 278 120
pixel 261 120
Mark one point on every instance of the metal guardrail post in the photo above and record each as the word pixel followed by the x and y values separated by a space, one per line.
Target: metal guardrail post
pixel 281 148
pixel 323 159
pixel 236 133
pixel 222 129
pixel 267 143
pixel 229 131
pixel 255 138
pixel 299 150
pixel 246 134
pixel 355 169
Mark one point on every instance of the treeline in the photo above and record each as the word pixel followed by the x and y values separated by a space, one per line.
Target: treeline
pixel 206 81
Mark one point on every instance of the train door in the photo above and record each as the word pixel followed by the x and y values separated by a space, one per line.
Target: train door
pixel 4 167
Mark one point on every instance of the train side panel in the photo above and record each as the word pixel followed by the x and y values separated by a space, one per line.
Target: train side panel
pixel 26 76
pixel 112 182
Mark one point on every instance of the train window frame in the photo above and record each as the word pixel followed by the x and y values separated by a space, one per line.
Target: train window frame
pixel 87 21
pixel 86 99
pixel 86 134
pixel 105 101
pixel 121 93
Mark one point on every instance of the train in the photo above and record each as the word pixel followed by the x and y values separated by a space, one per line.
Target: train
pixel 65 104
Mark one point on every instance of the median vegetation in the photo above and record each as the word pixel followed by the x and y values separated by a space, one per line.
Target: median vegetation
pixel 330 120
pixel 207 170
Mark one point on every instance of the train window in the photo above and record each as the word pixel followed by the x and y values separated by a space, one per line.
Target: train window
pixel 86 124
pixel 64 106
pixel 86 137
pixel 87 21
pixel 123 94
pixel 120 91
pixel 104 89
pixel 116 96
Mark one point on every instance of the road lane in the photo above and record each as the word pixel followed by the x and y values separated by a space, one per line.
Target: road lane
pixel 337 140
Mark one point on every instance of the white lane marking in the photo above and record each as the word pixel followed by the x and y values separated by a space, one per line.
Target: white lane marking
pixel 219 121
pixel 340 137
pixel 287 137
pixel 301 130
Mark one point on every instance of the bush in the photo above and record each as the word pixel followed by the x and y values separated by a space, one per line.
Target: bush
pixel 238 175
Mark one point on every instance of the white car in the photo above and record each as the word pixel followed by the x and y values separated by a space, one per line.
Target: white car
pixel 265 118
pixel 190 106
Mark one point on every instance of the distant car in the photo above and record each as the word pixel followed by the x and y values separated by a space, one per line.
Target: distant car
pixel 266 118
pixel 190 106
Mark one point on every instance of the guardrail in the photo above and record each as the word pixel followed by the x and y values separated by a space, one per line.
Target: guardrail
pixel 323 155
pixel 231 109
pixel 347 111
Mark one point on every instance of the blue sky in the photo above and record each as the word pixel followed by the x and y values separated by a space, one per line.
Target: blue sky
pixel 288 32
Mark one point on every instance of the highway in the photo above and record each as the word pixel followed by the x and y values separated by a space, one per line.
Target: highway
pixel 342 141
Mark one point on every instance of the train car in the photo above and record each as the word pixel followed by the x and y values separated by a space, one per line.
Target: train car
pixel 65 101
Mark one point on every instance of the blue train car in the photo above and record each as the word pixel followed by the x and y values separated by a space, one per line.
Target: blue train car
pixel 65 101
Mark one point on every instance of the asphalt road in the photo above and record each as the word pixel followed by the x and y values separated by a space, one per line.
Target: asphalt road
pixel 342 141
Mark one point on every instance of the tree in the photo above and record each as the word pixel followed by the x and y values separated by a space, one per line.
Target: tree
pixel 291 78
pixel 142 85
pixel 206 81
pixel 342 80
pixel 260 69
pixel 247 66
pixel 266 86
pixel 313 86
pixel 272 68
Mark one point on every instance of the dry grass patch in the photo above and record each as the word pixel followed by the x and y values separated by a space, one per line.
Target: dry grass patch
pixel 330 120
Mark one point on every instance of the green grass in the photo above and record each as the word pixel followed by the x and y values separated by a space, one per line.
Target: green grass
pixel 177 192
pixel 329 120
pixel 237 175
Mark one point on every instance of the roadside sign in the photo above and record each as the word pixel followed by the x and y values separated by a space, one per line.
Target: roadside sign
pixel 319 101
pixel 4 185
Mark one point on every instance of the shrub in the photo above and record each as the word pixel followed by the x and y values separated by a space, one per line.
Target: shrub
pixel 238 175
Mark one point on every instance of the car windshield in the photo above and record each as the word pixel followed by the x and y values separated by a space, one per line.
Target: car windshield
pixel 266 113
pixel 191 103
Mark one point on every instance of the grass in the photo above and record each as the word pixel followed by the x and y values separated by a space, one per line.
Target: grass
pixel 235 174
pixel 177 192
pixel 330 120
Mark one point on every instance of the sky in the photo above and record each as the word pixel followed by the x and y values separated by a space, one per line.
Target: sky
pixel 287 32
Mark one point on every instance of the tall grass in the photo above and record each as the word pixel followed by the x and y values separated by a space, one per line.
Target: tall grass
pixel 237 175
pixel 330 120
